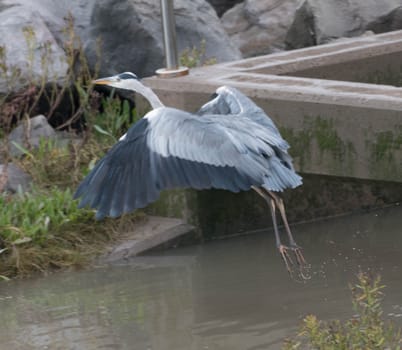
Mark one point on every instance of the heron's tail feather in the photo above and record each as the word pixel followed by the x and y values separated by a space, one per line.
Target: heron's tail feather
pixel 281 177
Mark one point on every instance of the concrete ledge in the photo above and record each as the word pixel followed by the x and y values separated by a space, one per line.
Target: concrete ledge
pixel 147 235
pixel 338 128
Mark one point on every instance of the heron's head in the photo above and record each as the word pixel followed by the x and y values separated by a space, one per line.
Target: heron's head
pixel 126 80
pixel 129 81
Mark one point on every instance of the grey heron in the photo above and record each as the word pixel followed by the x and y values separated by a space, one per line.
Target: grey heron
pixel 230 144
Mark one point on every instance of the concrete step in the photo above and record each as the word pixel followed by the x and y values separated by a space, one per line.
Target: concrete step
pixel 148 234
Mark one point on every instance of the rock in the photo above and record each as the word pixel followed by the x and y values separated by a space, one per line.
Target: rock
pixel 26 54
pixel 321 21
pixel 390 21
pixel 263 26
pixel 301 33
pixel 260 27
pixel 130 30
pixel 14 179
pixel 29 133
pixel 221 6
pixel 132 38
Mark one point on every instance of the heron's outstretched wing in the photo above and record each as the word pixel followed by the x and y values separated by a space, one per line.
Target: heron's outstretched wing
pixel 228 100
pixel 170 148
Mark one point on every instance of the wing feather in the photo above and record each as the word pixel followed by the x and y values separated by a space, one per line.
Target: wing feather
pixel 170 148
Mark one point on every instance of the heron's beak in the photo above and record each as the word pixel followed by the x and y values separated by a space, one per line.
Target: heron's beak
pixel 103 81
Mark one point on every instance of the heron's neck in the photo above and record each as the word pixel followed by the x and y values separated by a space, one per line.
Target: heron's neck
pixel 152 98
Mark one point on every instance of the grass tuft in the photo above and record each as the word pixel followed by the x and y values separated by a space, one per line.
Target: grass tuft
pixel 46 230
pixel 366 330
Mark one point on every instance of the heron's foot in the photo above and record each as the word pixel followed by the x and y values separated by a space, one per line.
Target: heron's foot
pixel 301 268
pixel 283 250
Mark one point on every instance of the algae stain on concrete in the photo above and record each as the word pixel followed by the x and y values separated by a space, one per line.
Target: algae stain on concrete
pixel 300 143
pixel 318 142
pixel 336 152
pixel 385 150
pixel 327 137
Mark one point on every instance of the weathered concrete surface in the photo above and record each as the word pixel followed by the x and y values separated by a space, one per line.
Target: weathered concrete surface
pixel 222 213
pixel 148 234
pixel 217 213
pixel 336 128
pixel 345 136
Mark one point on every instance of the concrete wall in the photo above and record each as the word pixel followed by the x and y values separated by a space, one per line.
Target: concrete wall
pixel 339 128
pixel 345 136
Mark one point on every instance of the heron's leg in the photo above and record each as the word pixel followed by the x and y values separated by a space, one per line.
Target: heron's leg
pixel 283 250
pixel 296 248
pixel 281 206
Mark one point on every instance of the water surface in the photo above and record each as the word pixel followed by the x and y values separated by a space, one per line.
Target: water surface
pixel 230 294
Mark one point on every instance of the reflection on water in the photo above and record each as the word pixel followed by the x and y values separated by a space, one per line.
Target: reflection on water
pixel 230 294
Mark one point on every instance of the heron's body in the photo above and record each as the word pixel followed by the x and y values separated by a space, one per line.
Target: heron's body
pixel 229 144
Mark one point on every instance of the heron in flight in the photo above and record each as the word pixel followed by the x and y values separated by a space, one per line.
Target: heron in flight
pixel 230 144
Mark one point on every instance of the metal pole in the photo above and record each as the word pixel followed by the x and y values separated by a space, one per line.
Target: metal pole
pixel 169 41
pixel 169 33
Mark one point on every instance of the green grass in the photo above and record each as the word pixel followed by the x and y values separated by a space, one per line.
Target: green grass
pixel 44 229
pixel 30 216
pixel 195 57
pixel 367 330
pixel 41 230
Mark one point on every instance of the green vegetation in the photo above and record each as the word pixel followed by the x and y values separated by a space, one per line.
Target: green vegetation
pixel 321 133
pixel 327 137
pixel 384 148
pixel 367 330
pixel 385 145
pixel 116 118
pixel 30 216
pixel 44 228
pixel 195 57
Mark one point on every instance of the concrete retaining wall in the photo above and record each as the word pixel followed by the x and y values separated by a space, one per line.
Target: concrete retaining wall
pixel 345 135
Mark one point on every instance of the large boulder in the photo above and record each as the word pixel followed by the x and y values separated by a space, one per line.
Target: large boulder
pixel 390 21
pixel 260 27
pixel 29 133
pixel 129 31
pixel 131 36
pixel 28 55
pixel 320 21
pixel 13 179
pixel 221 6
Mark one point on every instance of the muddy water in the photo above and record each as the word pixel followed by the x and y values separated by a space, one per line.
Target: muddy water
pixel 230 294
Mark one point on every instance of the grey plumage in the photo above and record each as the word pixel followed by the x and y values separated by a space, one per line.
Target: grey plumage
pixel 244 112
pixel 170 148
